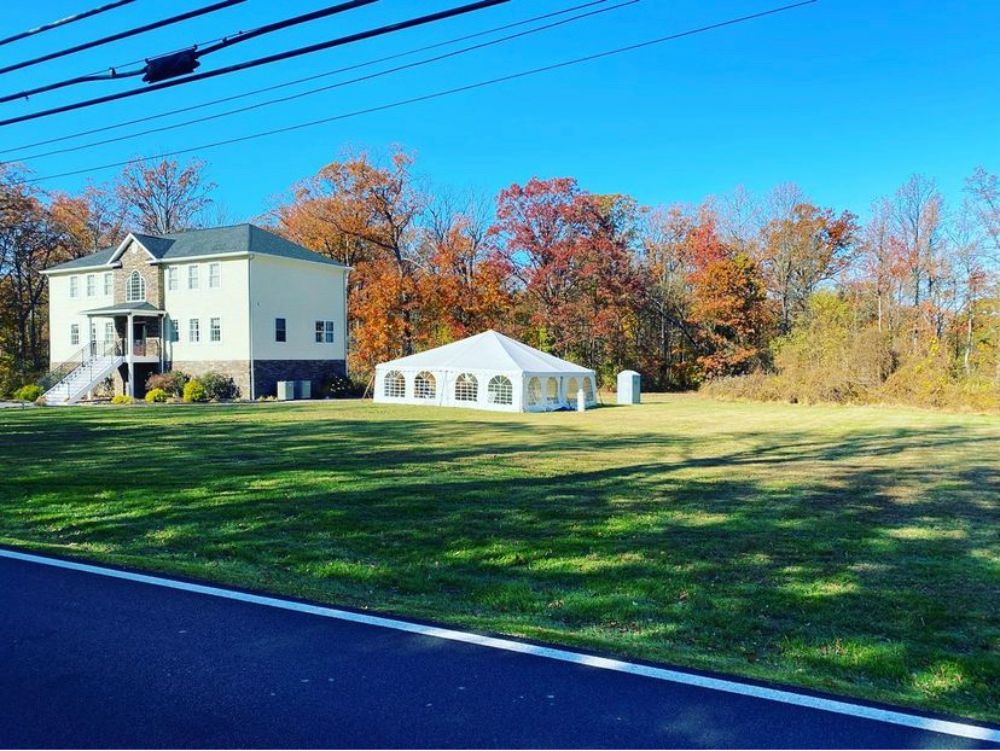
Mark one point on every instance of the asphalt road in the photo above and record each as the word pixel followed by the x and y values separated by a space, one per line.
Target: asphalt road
pixel 90 661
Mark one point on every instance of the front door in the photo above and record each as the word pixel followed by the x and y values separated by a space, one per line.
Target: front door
pixel 139 338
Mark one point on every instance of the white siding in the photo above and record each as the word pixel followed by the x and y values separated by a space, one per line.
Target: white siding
pixel 64 311
pixel 229 302
pixel 301 292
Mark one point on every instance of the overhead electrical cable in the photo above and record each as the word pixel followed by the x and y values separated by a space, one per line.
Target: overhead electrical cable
pixel 439 94
pixel 339 84
pixel 222 4
pixel 294 82
pixel 338 42
pixel 186 60
pixel 65 21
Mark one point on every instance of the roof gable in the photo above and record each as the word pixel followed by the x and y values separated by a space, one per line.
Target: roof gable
pixel 133 239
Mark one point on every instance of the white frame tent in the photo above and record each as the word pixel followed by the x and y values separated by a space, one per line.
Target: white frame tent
pixel 486 371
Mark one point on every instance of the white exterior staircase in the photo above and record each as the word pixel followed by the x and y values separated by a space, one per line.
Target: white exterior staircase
pixel 73 380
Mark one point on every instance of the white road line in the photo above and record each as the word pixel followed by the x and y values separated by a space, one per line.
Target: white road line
pixel 930 724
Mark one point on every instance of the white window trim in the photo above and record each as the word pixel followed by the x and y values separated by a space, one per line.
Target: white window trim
pixel 322 329
pixel 74 335
pixel 74 286
pixel 194 327
pixel 109 284
pixel 129 296
pixel 194 282
pixel 91 285
pixel 217 277
pixel 211 330
pixel 173 279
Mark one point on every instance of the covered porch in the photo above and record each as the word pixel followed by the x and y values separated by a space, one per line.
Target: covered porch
pixel 138 332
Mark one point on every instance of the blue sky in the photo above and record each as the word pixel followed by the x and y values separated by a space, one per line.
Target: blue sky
pixel 847 98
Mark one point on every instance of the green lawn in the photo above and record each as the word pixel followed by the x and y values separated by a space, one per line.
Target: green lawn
pixel 847 549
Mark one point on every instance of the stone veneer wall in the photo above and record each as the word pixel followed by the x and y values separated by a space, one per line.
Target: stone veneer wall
pixel 137 259
pixel 267 373
pixel 238 370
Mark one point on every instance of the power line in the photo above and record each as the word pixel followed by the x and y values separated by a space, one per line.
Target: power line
pixel 65 21
pixel 339 84
pixel 440 94
pixel 294 82
pixel 340 41
pixel 122 35
pixel 189 61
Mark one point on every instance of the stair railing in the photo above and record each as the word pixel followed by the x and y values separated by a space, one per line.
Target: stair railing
pixel 87 357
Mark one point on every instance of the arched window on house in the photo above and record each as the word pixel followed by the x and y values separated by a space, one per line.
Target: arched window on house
pixel 394 385
pixel 135 289
pixel 466 388
pixel 425 385
pixel 500 390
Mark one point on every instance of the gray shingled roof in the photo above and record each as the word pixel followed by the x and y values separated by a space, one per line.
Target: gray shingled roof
pixel 238 238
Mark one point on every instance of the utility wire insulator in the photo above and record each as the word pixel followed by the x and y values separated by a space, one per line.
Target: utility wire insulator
pixel 170 66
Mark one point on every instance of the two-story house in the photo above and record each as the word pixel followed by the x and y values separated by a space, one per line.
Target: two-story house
pixel 236 300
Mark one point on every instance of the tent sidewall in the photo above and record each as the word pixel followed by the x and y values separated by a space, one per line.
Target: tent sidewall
pixel 445 379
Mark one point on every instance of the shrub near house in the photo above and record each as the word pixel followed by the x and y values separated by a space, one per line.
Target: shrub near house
pixel 28 393
pixel 171 383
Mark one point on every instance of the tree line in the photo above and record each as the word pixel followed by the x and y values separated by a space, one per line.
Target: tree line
pixel 763 296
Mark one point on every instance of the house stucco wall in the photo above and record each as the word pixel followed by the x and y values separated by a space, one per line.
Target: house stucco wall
pixel 228 302
pixel 302 293
pixel 65 311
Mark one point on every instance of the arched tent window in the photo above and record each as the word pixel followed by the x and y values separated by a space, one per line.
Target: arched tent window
pixel 500 390
pixel 135 290
pixel 534 392
pixel 588 389
pixel 424 385
pixel 572 386
pixel 394 385
pixel 466 388
pixel 552 391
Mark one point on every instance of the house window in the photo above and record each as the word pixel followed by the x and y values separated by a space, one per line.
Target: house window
pixel 172 281
pixel 173 333
pixel 215 329
pixel 135 290
pixel 500 390
pixel 214 275
pixel 466 388
pixel 193 277
pixel 194 331
pixel 74 286
pixel 109 331
pixel 424 386
pixel 93 331
pixel 74 334
pixel 394 385
pixel 91 285
pixel 108 284
pixel 280 332
pixel 324 331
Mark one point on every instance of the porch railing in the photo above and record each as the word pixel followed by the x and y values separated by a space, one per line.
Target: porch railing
pixel 148 347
